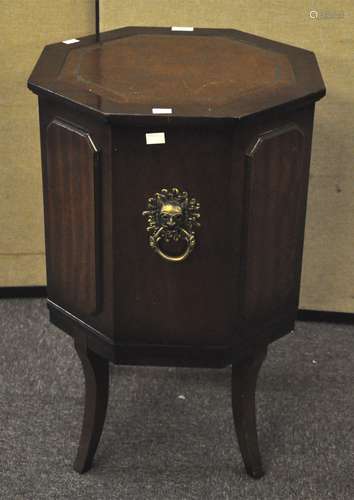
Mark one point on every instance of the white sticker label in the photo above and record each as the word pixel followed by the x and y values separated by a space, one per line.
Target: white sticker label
pixel 72 40
pixel 155 138
pixel 161 111
pixel 182 28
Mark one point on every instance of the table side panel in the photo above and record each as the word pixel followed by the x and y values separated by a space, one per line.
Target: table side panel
pixel 72 209
pixel 187 302
pixel 77 213
pixel 277 161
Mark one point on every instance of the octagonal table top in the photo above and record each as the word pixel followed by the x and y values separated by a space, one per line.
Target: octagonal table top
pixel 214 73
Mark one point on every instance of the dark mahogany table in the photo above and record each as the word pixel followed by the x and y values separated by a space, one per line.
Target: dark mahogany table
pixel 175 173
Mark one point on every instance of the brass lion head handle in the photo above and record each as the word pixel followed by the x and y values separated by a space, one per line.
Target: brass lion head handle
pixel 171 216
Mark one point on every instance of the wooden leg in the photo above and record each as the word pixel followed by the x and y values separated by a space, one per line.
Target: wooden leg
pixel 244 380
pixel 96 371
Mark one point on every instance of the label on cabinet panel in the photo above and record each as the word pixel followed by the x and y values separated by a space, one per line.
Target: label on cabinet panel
pixel 155 138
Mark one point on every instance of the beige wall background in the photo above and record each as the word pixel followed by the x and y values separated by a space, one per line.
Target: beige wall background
pixel 325 27
pixel 26 26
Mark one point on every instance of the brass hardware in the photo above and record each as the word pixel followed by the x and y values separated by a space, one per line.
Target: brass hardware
pixel 172 216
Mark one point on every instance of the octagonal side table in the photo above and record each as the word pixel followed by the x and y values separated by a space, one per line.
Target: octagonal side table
pixel 175 174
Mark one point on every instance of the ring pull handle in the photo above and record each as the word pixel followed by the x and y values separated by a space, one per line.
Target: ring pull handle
pixel 189 239
pixel 171 216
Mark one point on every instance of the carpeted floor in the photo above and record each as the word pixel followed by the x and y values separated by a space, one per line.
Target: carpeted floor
pixel 169 432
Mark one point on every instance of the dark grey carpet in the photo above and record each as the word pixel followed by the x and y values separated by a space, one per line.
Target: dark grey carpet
pixel 157 445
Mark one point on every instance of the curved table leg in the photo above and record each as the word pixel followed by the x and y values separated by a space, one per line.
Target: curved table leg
pixel 96 371
pixel 244 380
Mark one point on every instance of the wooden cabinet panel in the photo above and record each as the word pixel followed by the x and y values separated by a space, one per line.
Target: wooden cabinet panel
pixel 72 206
pixel 275 196
pixel 188 302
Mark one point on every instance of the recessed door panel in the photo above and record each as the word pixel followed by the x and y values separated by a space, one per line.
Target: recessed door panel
pixel 275 198
pixel 72 178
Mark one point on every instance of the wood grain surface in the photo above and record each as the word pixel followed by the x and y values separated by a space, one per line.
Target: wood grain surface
pixel 73 207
